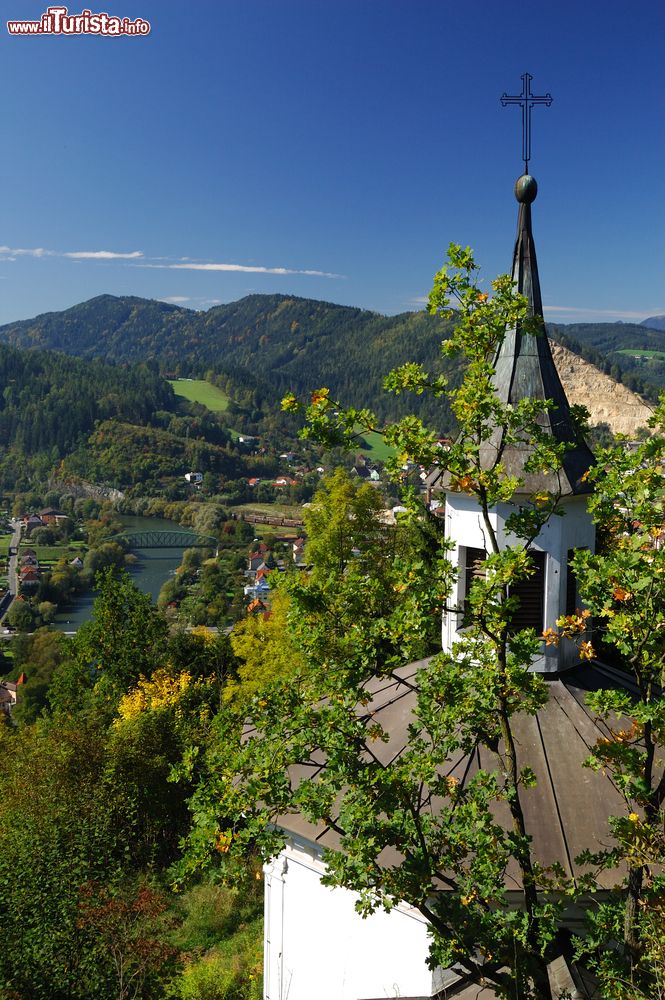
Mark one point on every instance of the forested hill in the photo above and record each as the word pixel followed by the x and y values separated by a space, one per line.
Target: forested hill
pixel 115 424
pixel 49 402
pixel 298 344
pixel 288 342
pixel 655 322
pixel 122 329
pixel 609 338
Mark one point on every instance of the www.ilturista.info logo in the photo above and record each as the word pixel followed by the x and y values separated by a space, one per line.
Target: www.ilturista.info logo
pixel 58 21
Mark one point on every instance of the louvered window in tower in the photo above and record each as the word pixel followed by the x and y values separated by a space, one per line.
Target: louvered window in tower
pixel 571 585
pixel 531 593
pixel 573 600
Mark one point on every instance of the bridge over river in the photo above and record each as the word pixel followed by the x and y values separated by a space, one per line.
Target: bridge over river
pixel 165 538
pixel 158 544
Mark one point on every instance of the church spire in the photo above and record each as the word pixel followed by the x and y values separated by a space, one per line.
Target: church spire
pixel 524 368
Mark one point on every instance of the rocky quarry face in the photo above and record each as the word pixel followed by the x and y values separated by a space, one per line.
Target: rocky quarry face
pixel 607 401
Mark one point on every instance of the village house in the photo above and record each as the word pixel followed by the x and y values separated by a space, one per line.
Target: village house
pixel 260 587
pixel 256 607
pixel 10 692
pixel 29 577
pixel 367 473
pixel 30 522
pixel 52 516
pixel 298 550
pixel 256 562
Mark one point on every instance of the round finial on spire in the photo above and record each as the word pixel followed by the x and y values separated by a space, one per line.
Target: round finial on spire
pixel 526 189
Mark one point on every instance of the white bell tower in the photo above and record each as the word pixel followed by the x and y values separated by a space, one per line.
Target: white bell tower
pixel 524 369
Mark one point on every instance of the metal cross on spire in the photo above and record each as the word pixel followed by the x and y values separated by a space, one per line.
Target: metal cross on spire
pixel 526 100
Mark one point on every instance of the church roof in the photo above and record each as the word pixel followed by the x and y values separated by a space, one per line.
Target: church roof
pixel 524 368
pixel 568 809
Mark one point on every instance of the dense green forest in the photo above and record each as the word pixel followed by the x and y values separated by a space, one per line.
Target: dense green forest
pixel 131 454
pixel 50 401
pixel 271 344
pixel 119 424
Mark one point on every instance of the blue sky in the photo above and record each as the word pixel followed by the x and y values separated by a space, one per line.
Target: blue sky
pixel 334 148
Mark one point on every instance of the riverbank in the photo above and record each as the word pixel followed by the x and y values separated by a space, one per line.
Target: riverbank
pixel 150 570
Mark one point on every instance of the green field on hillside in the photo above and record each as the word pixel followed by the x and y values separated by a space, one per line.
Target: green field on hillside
pixel 197 390
pixel 376 447
pixel 635 352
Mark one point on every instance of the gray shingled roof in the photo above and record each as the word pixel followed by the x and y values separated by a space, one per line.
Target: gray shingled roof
pixel 568 809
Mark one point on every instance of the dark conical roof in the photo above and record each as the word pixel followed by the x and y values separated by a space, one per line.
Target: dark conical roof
pixel 525 369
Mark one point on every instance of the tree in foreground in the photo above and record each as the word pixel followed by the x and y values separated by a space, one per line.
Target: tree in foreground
pixel 123 641
pixel 455 841
pixel 623 587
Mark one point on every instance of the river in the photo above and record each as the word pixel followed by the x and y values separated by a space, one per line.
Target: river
pixel 153 567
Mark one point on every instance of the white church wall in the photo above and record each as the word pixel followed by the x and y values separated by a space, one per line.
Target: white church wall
pixel 317 946
pixel 573 529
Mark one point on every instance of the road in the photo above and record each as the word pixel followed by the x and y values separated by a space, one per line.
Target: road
pixel 12 574
pixel 8 636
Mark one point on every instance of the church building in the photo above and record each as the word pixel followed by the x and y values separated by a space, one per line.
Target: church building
pixel 316 945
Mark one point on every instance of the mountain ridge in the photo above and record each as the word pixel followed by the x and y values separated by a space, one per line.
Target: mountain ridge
pixel 298 344
pixel 654 322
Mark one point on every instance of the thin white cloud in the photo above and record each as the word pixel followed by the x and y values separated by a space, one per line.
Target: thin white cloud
pixel 137 258
pixel 574 312
pixel 243 269
pixel 610 314
pixel 102 255
pixel 176 299
pixel 14 252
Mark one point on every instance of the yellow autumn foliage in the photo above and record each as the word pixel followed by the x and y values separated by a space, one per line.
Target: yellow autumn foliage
pixel 204 633
pixel 162 690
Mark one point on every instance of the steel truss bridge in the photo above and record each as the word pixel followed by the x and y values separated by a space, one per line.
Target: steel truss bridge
pixel 166 539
